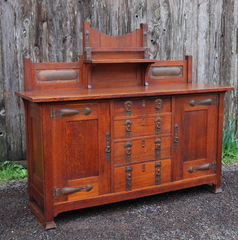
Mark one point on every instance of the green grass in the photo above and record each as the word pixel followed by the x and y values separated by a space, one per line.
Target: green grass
pixel 230 143
pixel 11 171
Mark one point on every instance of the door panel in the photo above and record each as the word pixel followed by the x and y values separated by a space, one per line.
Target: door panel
pixel 81 166
pixel 196 144
pixel 195 134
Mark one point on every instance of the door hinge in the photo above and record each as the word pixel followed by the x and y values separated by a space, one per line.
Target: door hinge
pixel 108 147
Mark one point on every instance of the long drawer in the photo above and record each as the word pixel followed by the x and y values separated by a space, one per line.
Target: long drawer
pixel 142 175
pixel 143 106
pixel 143 126
pixel 144 149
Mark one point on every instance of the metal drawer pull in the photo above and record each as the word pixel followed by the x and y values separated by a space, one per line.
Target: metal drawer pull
pixel 69 112
pixel 57 192
pixel 128 151
pixel 158 148
pixel 205 102
pixel 158 105
pixel 205 167
pixel 128 171
pixel 158 173
pixel 158 123
pixel 128 124
pixel 128 108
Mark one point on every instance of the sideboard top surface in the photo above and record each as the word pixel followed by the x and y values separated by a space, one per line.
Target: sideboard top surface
pixel 75 94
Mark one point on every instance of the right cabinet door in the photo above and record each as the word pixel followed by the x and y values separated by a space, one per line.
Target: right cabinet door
pixel 195 136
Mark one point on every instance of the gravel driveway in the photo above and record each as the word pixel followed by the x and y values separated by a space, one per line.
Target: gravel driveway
pixel 192 213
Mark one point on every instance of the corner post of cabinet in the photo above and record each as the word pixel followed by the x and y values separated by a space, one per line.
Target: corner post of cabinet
pixel 48 167
pixel 189 60
pixel 219 142
pixel 28 79
pixel 177 141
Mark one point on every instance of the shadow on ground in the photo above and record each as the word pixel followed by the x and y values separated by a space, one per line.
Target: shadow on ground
pixel 192 213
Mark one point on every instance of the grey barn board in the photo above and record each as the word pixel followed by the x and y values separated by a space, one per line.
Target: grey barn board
pixel 51 31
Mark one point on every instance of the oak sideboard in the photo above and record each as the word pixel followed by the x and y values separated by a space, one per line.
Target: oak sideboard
pixel 117 125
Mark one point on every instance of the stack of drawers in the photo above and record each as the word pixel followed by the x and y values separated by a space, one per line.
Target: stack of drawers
pixel 142 143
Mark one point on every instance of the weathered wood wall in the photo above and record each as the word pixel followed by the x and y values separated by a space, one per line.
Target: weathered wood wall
pixel 49 30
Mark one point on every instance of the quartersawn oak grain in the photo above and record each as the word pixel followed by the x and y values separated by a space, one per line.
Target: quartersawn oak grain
pixel 81 150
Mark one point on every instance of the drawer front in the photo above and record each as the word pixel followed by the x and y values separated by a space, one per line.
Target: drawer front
pixel 135 107
pixel 136 127
pixel 142 150
pixel 142 175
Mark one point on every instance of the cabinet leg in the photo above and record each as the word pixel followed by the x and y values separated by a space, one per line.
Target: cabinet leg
pixel 213 188
pixel 39 214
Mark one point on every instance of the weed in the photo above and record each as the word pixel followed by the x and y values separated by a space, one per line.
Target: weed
pixel 230 143
pixel 10 171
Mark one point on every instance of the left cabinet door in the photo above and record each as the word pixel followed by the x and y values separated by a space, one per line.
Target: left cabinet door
pixel 80 141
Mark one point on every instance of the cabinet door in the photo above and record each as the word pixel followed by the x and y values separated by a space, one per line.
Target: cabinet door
pixel 80 150
pixel 195 136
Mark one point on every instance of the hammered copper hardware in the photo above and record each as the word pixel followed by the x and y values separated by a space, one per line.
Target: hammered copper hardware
pixel 57 75
pixel 166 72
pixel 128 108
pixel 129 178
pixel 143 167
pixel 72 151
pixel 158 122
pixel 176 139
pixel 143 102
pixel 157 147
pixel 143 121
pixel 108 147
pixel 206 102
pixel 87 48
pixel 55 113
pixel 143 143
pixel 205 167
pixel 158 173
pixel 128 146
pixel 128 124
pixel 158 105
pixel 57 192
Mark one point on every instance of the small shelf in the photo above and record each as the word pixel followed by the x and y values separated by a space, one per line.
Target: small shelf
pixel 108 61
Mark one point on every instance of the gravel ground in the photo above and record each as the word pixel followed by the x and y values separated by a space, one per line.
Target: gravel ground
pixel 192 213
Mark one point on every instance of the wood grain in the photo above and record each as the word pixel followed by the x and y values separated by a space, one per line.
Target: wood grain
pixel 51 31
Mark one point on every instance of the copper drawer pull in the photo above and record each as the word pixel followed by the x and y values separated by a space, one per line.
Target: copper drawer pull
pixel 57 192
pixel 205 102
pixel 69 112
pixel 205 167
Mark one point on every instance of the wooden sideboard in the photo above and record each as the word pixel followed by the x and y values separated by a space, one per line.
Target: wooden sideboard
pixel 117 125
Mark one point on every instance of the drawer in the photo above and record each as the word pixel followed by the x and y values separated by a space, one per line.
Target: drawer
pixel 142 175
pixel 142 150
pixel 143 106
pixel 136 127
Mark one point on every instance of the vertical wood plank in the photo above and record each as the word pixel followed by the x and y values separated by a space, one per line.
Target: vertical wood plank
pixel 11 81
pixel 51 31
pixel 3 141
